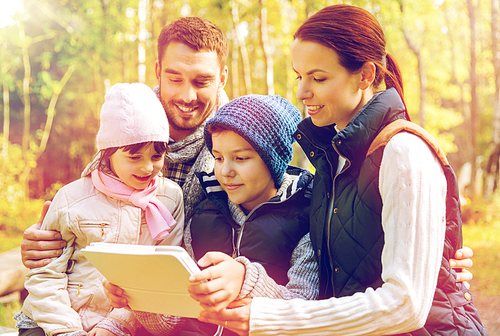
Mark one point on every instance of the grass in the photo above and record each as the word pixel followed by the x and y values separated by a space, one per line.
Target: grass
pixel 8 310
pixel 484 240
pixel 13 221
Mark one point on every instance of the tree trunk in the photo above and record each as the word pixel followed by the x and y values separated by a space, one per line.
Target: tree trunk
pixel 247 79
pixel 235 83
pixel 6 122
pixel 23 179
pixel 492 168
pixel 142 14
pixel 473 94
pixel 264 42
pixel 422 78
pixel 51 111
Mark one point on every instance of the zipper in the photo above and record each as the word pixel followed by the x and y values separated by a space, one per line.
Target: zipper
pixel 101 226
pixel 236 249
pixel 78 286
pixel 331 209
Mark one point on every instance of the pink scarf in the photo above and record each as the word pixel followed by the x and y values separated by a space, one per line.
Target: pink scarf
pixel 158 217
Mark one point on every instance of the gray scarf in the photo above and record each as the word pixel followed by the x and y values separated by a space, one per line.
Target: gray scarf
pixel 188 148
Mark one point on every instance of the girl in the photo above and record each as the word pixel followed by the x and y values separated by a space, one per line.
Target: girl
pixel 385 217
pixel 122 200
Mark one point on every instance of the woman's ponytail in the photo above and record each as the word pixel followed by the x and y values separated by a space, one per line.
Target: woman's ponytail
pixel 394 79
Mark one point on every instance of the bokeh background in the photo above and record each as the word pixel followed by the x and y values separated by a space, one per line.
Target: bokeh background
pixel 59 57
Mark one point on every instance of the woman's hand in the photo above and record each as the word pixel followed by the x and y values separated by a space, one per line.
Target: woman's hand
pixel 116 295
pixel 236 317
pixel 462 263
pixel 217 286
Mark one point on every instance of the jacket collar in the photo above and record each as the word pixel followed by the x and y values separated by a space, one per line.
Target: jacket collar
pixel 353 141
pixel 301 179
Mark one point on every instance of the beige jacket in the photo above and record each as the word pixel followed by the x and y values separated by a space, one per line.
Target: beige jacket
pixel 67 295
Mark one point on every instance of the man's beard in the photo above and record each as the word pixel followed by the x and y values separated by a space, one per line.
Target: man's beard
pixel 169 110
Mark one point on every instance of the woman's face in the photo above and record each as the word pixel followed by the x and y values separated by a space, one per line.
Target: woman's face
pixel 330 93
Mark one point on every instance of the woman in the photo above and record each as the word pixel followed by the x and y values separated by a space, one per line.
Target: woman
pixel 378 218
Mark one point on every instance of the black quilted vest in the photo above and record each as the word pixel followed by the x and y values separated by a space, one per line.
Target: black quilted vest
pixel 349 243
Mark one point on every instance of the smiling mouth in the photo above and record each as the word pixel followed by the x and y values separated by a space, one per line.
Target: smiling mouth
pixel 186 109
pixel 313 109
pixel 233 186
pixel 142 178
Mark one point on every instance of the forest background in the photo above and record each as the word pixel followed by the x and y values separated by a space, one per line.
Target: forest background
pixel 58 58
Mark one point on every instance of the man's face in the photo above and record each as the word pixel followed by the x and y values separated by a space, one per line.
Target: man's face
pixel 189 82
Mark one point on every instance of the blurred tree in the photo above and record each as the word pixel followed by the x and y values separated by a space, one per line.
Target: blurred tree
pixel 264 43
pixel 109 41
pixel 493 165
pixel 473 94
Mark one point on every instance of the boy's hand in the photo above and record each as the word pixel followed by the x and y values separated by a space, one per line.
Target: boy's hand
pixel 217 286
pixel 116 295
pixel 100 332
pixel 39 246
pixel 236 317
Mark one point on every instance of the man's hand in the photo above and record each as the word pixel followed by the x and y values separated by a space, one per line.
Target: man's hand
pixel 39 246
pixel 217 286
pixel 462 263
pixel 236 317
pixel 116 295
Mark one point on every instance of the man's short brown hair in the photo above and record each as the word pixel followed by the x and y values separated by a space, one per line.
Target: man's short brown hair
pixel 197 33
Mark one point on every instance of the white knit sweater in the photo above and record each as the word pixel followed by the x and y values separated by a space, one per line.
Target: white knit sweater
pixel 413 190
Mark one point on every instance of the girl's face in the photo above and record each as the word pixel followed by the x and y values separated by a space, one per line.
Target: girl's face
pixel 330 93
pixel 240 170
pixel 137 170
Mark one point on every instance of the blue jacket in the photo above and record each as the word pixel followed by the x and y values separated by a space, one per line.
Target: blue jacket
pixel 349 244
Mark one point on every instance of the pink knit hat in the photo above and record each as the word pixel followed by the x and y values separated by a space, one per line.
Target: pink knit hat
pixel 131 114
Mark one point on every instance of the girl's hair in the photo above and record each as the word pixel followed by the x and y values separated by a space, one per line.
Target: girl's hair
pixel 356 37
pixel 160 148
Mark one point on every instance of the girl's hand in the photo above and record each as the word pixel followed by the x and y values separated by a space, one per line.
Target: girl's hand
pixel 217 286
pixel 236 317
pixel 116 295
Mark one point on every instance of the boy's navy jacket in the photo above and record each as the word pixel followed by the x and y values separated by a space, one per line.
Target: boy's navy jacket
pixel 270 233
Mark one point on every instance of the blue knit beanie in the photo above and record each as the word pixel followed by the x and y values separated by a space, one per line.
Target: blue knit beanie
pixel 265 122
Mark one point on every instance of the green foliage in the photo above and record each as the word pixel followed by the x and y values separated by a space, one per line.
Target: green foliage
pixel 15 217
pixel 101 39
pixel 8 310
pixel 485 242
pixel 481 231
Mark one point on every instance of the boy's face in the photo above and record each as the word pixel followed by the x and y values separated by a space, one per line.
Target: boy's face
pixel 241 172
pixel 137 170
